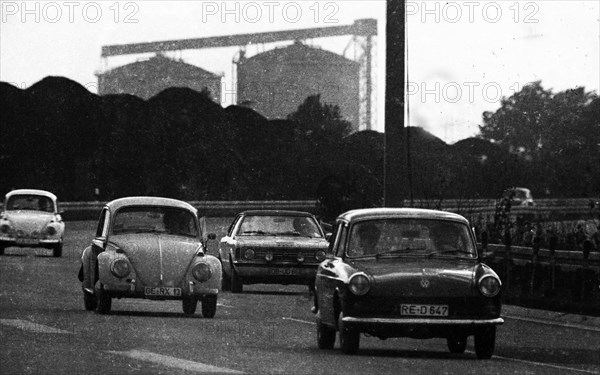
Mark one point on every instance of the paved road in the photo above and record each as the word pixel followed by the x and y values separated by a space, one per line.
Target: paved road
pixel 267 329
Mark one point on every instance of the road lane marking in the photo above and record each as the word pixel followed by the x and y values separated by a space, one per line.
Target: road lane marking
pixel 298 320
pixel 32 327
pixel 555 323
pixel 174 362
pixel 541 364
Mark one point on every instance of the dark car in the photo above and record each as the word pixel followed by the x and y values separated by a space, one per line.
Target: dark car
pixel 272 247
pixel 397 272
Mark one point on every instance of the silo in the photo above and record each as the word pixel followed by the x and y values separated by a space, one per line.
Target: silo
pixel 276 82
pixel 147 78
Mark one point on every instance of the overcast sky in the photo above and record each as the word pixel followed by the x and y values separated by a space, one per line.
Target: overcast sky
pixel 462 56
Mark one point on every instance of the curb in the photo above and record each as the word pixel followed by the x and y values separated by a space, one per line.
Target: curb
pixel 550 317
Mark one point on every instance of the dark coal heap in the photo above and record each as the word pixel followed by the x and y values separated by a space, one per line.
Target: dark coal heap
pixel 60 137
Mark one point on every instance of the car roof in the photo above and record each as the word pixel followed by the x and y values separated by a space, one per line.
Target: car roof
pixel 410 213
pixel 31 192
pixel 149 201
pixel 275 213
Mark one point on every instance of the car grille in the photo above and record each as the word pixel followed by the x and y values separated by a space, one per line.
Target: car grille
pixel 287 255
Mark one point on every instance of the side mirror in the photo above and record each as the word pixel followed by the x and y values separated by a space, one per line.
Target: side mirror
pixel 99 242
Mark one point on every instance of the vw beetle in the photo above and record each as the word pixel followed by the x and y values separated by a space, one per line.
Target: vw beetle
pixel 152 248
pixel 30 218
pixel 399 272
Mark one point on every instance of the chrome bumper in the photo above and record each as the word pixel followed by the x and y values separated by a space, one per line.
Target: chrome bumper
pixel 423 321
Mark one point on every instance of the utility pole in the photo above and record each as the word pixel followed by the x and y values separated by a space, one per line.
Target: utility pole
pixel 394 149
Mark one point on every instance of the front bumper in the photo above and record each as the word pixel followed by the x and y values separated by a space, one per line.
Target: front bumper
pixel 276 273
pixel 419 328
pixel 136 290
pixel 421 321
pixel 28 242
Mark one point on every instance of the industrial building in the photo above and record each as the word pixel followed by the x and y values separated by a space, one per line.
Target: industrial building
pixel 276 82
pixel 146 78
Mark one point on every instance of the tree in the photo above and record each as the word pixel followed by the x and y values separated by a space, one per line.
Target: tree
pixel 552 132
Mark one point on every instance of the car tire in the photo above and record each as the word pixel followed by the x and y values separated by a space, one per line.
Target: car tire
pixel 237 286
pixel 89 301
pixel 349 337
pixel 104 300
pixel 189 305
pixel 57 250
pixel 209 306
pixel 325 335
pixel 485 341
pixel 457 344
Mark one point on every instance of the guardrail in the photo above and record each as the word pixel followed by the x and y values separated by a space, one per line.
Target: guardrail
pixel 91 210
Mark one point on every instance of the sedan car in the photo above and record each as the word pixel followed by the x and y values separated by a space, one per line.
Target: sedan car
pixel 518 196
pixel 271 247
pixel 30 218
pixel 399 272
pixel 152 248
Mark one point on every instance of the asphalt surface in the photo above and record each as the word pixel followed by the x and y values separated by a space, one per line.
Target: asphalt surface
pixel 268 329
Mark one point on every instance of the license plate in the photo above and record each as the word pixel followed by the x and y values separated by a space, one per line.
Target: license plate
pixel 27 241
pixel 284 271
pixel 167 292
pixel 424 310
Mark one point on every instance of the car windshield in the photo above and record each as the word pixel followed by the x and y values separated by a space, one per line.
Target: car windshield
pixel 30 202
pixel 410 237
pixel 167 220
pixel 278 225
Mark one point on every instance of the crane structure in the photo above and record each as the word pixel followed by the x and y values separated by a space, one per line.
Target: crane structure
pixel 363 30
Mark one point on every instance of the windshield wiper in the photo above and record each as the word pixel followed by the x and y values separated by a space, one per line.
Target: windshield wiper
pixel 454 251
pixel 406 250
pixel 259 232
pixel 292 233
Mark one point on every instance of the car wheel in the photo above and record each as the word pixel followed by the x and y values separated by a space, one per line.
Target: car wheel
pixel 89 301
pixel 57 251
pixel 349 337
pixel 104 300
pixel 237 286
pixel 209 306
pixel 485 340
pixel 325 335
pixel 457 344
pixel 189 305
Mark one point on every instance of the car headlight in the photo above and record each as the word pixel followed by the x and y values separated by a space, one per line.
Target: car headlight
pixel 249 254
pixel 51 231
pixel 201 272
pixel 5 228
pixel 359 284
pixel 489 286
pixel 320 255
pixel 120 268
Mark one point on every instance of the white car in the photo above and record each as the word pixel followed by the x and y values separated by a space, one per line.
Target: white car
pixel 30 218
